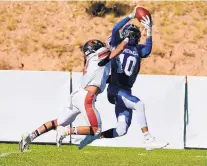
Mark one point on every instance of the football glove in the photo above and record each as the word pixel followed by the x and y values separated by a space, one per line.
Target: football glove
pixel 132 15
pixel 147 23
pixel 104 61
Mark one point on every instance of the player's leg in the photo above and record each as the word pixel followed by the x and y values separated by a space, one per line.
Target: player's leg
pixel 123 114
pixel 66 117
pixel 26 139
pixel 126 100
pixel 129 101
pixel 84 101
pixel 120 110
pixel 124 117
pixel 112 92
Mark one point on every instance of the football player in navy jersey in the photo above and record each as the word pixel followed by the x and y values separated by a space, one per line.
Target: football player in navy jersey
pixel 124 70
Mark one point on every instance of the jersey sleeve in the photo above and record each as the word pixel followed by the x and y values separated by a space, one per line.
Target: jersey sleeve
pixel 115 37
pixel 145 50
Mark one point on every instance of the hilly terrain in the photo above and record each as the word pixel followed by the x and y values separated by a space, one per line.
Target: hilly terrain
pixel 49 35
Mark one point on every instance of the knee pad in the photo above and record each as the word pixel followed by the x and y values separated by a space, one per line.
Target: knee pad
pixel 122 128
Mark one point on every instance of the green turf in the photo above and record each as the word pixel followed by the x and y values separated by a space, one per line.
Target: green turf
pixel 49 155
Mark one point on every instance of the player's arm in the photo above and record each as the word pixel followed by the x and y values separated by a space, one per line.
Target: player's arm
pixel 147 48
pixel 115 52
pixel 119 49
pixel 115 37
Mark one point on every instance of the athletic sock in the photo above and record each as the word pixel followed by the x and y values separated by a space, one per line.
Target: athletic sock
pixel 108 133
pixel 73 130
pixel 34 135
pixel 51 125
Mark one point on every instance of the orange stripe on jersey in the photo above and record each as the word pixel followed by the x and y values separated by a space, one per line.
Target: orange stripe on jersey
pixel 104 53
pixel 89 110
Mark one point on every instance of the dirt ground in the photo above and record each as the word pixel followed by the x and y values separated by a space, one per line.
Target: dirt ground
pixel 48 36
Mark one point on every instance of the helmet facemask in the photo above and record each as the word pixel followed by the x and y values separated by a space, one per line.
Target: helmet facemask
pixel 132 32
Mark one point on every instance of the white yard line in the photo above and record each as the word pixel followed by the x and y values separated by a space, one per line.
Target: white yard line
pixel 141 154
pixel 9 153
pixel 201 156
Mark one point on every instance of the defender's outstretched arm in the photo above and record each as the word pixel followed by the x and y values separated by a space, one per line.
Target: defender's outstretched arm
pixel 114 53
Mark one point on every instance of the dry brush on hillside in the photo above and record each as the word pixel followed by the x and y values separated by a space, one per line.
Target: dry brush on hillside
pixel 49 35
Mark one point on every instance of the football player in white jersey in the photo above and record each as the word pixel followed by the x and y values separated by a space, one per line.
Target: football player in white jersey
pixel 81 101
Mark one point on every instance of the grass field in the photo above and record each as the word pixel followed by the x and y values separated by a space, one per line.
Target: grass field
pixel 50 155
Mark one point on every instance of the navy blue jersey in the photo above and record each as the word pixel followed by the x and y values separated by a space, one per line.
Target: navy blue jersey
pixel 125 67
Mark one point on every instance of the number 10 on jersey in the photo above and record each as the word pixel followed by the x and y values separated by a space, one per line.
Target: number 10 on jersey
pixel 129 65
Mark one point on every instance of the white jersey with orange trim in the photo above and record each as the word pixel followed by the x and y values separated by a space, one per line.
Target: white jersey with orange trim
pixel 82 101
pixel 94 74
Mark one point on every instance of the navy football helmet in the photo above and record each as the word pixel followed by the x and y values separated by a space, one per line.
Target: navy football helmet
pixel 132 32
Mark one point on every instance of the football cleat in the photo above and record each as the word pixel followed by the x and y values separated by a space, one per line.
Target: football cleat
pixel 24 143
pixel 87 140
pixel 151 143
pixel 62 132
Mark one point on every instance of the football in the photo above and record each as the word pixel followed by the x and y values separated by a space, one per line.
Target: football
pixel 140 12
